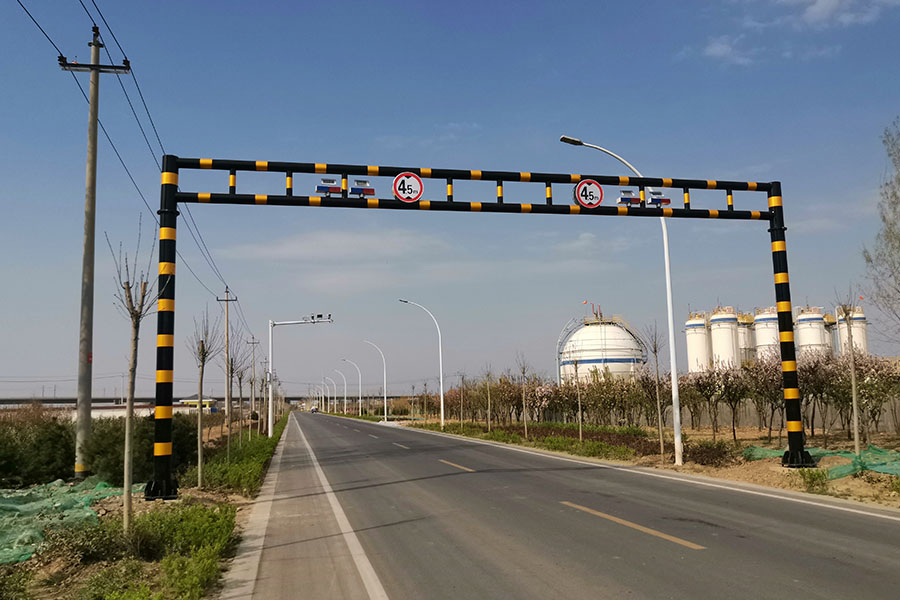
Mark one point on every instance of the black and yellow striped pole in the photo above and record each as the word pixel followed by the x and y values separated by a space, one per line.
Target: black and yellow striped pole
pixel 163 484
pixel 796 455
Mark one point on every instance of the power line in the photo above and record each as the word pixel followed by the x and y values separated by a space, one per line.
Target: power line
pixel 33 20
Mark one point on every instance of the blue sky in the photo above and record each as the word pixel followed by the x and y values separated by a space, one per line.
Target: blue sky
pixel 794 90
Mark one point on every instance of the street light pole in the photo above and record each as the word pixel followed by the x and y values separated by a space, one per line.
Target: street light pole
pixel 345 389
pixel 311 320
pixel 559 342
pixel 676 407
pixel 440 354
pixel 334 395
pixel 359 373
pixel 384 371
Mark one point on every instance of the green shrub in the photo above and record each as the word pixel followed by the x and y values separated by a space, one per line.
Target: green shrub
pixel 36 446
pixel 188 577
pixel 706 452
pixel 87 543
pixel 105 449
pixel 182 529
pixel 14 583
pixel 120 580
pixel 894 485
pixel 815 481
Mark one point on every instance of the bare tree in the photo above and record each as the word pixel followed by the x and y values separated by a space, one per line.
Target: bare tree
pixel 653 339
pixel 883 260
pixel 845 311
pixel 240 365
pixel 523 368
pixel 133 298
pixel 205 343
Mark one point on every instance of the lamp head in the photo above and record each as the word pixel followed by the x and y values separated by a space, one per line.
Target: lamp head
pixel 403 301
pixel 570 140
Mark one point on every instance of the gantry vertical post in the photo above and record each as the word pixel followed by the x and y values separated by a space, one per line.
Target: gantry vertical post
pixel 163 484
pixel 796 455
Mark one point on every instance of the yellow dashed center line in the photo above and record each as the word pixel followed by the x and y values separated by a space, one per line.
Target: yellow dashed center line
pixel 641 528
pixel 447 462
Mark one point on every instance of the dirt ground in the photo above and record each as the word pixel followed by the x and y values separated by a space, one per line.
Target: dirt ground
pixel 876 488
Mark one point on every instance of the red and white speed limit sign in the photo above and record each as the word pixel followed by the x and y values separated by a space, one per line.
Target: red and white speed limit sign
pixel 588 193
pixel 408 187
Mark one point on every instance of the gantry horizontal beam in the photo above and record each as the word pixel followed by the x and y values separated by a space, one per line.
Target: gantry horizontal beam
pixel 463 175
pixel 491 207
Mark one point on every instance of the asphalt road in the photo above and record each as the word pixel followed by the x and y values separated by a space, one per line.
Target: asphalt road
pixel 407 514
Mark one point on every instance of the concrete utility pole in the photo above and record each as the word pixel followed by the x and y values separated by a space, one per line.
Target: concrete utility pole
pixel 253 343
pixel 227 300
pixel 86 331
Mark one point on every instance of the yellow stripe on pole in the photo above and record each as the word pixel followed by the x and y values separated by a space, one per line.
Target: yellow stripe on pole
pixel 162 449
pixel 165 305
pixel 791 394
pixel 262 165
pixel 288 182
pixel 206 163
pixel 475 206
pixel 169 178
pixel 548 191
pixel 779 246
pixel 710 184
pixel 624 180
pixel 667 212
pixel 781 278
pixel 783 306
pixel 475 174
pixel 163 412
pixel 261 198
pixel 713 214
pixel 794 426
pixel 321 168
pixel 574 178
pixel 425 205
pixel 165 340
pixel 524 176
pixel 751 186
pixel 789 366
pixel 203 197
pixel 315 201
pixel 344 183
pixel 499 190
pixel 166 268
pixel 574 209
pixel 425 172
pixel 449 189
pixel 667 182
pixel 755 214
pixel 622 210
pixel 80 468
pixel 526 208
pixel 774 201
pixel 163 376
pixel 372 170
pixel 786 336
pixel 167 233
pixel 232 179
pixel 372 202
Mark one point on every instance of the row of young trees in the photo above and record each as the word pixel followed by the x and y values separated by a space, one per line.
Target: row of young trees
pixel 711 398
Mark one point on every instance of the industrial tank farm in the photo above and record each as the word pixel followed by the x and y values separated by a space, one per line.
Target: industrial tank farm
pixel 601 344
pixel 726 338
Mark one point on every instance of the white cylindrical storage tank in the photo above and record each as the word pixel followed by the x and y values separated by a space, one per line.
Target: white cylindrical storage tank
pixel 858 324
pixel 811 335
pixel 765 330
pixel 724 337
pixel 745 337
pixel 696 332
pixel 605 344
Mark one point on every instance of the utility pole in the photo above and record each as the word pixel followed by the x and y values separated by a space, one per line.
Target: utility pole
pixel 227 300
pixel 86 331
pixel 253 343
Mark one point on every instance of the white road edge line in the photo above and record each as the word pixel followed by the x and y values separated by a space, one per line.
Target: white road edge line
pixel 400 445
pixel 671 477
pixel 366 570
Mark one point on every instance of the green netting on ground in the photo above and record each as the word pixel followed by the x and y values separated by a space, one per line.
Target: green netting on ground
pixel 25 513
pixel 872 458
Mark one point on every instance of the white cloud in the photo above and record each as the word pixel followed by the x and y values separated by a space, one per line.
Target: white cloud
pixel 825 13
pixel 725 48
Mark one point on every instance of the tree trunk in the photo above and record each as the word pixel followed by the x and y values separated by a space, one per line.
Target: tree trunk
pixel 129 426
pixel 200 427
